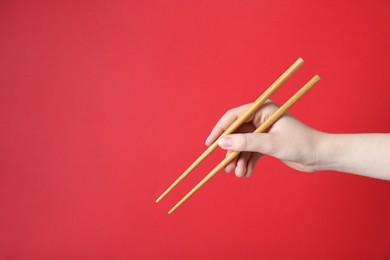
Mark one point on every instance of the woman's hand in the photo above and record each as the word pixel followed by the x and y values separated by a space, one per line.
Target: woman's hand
pixel 288 139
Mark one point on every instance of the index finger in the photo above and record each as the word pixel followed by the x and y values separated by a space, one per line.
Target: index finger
pixel 225 121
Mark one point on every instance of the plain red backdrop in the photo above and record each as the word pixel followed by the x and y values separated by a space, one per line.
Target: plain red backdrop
pixel 104 103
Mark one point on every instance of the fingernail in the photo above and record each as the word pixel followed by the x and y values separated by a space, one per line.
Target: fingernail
pixel 208 140
pixel 225 142
pixel 239 172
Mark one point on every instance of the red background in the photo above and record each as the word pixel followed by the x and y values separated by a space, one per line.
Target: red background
pixel 104 103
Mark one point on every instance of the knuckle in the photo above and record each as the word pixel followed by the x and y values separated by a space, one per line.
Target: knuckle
pixel 217 128
pixel 269 146
pixel 227 117
pixel 228 113
pixel 242 142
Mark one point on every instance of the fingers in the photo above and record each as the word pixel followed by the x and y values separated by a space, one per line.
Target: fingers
pixel 259 142
pixel 226 120
pixel 252 146
pixel 252 163
pixel 230 167
pixel 242 162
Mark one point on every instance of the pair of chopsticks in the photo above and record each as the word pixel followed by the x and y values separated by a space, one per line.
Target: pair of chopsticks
pixel 238 122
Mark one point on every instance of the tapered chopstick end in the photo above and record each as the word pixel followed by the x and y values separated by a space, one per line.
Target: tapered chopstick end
pixel 159 198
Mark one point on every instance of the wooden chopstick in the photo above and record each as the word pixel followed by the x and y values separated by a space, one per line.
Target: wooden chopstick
pixel 238 122
pixel 275 116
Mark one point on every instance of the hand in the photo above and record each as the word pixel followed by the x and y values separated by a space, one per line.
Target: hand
pixel 288 139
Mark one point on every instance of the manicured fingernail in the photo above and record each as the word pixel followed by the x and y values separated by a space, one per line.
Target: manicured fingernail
pixel 225 142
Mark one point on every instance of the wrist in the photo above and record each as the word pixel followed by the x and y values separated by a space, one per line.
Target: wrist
pixel 326 152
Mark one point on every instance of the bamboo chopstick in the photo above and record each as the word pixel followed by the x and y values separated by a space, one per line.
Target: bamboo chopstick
pixel 275 116
pixel 238 122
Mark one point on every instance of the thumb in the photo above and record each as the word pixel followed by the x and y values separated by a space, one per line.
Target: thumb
pixel 258 142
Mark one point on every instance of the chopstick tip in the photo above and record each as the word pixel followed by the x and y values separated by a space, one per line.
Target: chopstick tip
pixel 158 200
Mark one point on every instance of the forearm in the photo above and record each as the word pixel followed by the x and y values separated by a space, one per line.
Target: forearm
pixel 362 154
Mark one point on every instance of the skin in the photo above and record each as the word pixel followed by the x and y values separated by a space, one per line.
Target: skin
pixel 300 146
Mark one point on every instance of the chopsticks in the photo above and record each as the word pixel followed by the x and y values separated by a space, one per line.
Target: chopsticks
pixel 275 116
pixel 238 122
